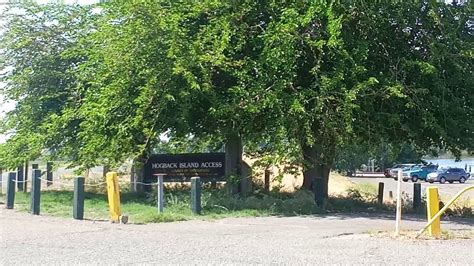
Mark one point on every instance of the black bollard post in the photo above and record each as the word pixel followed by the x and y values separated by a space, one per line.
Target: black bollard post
pixel 19 178
pixel 196 195
pixel 35 191
pixel 416 197
pixel 11 190
pixel 49 173
pixel 78 203
pixel 380 195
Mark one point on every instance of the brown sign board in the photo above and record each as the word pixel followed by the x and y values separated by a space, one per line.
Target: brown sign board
pixel 181 167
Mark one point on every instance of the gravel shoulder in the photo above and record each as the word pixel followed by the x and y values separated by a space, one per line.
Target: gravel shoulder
pixel 334 239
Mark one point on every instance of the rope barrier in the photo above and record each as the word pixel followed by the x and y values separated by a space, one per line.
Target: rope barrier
pixel 19 181
pixel 145 184
pixel 57 182
pixel 95 185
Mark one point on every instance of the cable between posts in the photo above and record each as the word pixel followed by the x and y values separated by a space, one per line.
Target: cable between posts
pixel 145 184
pixel 72 185
pixel 19 181
pixel 56 182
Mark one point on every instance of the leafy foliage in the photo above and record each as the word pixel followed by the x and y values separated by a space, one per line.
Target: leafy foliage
pixel 296 81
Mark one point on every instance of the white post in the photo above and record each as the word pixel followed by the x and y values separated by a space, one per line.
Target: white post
pixel 399 203
pixel 160 197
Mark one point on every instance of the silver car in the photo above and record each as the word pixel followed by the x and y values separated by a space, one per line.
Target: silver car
pixel 450 175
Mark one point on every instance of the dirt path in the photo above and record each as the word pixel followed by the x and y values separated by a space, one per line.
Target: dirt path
pixel 335 239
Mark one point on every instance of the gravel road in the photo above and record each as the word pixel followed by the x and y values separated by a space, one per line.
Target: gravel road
pixel 446 190
pixel 331 239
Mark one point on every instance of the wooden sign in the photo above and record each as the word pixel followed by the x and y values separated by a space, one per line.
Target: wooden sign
pixel 181 167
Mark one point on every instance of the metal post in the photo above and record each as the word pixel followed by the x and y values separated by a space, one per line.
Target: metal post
pixel 196 195
pixel 33 166
pixel 160 194
pixel 35 191
pixel 78 202
pixel 11 190
pixel 416 197
pixel 49 173
pixel 399 203
pixel 113 194
pixel 380 195
pixel 432 207
pixel 19 178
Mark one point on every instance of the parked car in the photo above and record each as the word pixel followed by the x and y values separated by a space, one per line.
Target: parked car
pixel 418 172
pixel 450 175
pixel 392 172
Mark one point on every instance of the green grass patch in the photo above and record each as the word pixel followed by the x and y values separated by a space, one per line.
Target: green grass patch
pixel 216 204
pixel 141 208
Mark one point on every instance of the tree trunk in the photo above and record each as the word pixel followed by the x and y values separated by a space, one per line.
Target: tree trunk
pixel 105 170
pixel 233 159
pixel 137 175
pixel 326 171
pixel 310 171
pixel 316 174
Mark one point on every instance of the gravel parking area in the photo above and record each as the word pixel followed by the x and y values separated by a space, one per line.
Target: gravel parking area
pixel 331 239
pixel 445 190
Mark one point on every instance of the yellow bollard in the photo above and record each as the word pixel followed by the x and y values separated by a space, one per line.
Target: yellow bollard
pixel 113 193
pixel 432 205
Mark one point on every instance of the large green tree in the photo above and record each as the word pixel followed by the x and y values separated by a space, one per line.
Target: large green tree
pixel 299 79
pixel 395 71
pixel 40 55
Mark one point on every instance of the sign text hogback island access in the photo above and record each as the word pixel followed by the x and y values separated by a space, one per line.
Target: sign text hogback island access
pixel 181 167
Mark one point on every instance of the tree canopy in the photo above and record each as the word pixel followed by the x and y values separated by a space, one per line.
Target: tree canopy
pixel 294 79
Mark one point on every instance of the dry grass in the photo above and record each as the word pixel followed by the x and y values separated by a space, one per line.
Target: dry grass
pixel 411 235
pixel 289 181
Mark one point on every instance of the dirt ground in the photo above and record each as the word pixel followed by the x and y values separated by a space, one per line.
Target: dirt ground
pixel 304 240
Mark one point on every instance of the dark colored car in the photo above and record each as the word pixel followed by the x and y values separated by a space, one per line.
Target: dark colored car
pixel 450 175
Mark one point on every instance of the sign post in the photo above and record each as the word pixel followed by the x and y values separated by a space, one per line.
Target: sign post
pixel 160 197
